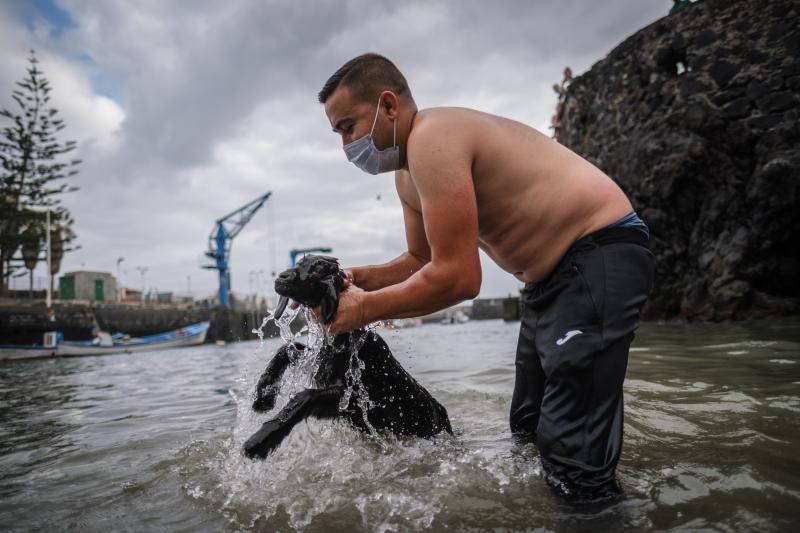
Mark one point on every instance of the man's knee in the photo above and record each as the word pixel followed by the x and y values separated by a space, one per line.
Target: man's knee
pixel 523 423
pixel 578 487
pixel 580 453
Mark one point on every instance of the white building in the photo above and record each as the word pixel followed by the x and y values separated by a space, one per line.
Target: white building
pixel 91 286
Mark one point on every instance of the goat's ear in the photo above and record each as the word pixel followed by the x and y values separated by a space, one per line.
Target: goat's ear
pixel 330 300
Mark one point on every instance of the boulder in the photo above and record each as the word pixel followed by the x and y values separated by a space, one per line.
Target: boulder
pixel 697 118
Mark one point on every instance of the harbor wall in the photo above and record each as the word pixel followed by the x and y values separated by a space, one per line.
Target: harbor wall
pixel 26 322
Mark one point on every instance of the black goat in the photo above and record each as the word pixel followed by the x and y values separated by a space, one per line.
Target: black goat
pixel 397 403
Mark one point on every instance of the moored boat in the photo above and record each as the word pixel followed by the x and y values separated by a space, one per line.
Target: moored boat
pixel 187 336
pixel 46 350
pixel 21 353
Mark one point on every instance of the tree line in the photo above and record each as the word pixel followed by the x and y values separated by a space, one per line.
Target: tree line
pixel 34 169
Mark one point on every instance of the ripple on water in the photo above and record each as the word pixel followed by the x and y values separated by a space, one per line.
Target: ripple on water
pixel 154 442
pixel 790 403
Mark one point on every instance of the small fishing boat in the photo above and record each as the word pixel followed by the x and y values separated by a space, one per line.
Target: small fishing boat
pixel 187 336
pixel 18 352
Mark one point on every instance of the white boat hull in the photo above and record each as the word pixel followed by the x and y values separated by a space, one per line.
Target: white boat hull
pixel 22 353
pixel 69 349
pixel 188 336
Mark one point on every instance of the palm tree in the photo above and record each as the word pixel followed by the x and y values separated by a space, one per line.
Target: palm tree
pixel 31 249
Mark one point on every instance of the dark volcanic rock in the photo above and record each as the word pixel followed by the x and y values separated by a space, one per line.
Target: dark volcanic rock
pixel 697 118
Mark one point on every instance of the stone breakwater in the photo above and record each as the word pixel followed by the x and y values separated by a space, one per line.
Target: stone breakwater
pixel 696 117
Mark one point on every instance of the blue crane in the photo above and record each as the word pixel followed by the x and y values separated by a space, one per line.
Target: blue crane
pixel 294 253
pixel 221 238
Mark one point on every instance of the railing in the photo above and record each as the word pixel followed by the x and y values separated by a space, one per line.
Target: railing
pixel 23 283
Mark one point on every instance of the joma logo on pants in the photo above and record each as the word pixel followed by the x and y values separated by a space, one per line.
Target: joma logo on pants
pixel 567 336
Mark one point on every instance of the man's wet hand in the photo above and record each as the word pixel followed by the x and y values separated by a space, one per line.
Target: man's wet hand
pixel 349 279
pixel 350 314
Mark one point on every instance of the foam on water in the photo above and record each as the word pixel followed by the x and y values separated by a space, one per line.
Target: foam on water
pixel 325 468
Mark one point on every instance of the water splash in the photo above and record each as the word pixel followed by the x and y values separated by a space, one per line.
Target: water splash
pixel 305 364
pixel 260 329
pixel 354 383
pixel 284 324
pixel 316 332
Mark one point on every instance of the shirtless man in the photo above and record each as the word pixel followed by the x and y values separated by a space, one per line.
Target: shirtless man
pixel 470 180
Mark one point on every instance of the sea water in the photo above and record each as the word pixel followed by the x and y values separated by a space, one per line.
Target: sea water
pixel 152 441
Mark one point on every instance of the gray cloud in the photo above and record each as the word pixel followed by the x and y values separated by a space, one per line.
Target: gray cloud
pixel 219 106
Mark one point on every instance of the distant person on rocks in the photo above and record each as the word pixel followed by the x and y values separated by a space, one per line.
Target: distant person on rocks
pixel 561 91
pixel 468 180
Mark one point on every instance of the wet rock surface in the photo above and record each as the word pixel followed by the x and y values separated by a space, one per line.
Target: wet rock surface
pixel 696 117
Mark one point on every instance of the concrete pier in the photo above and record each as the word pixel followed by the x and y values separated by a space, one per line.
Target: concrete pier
pixel 26 322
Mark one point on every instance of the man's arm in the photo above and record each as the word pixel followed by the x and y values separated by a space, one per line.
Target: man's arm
pixel 441 167
pixel 374 277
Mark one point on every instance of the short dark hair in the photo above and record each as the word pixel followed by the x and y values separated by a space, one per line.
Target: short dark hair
pixel 366 76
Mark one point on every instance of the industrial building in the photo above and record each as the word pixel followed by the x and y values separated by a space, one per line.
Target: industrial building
pixel 88 286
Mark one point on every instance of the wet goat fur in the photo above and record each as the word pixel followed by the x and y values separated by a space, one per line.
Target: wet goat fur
pixel 398 403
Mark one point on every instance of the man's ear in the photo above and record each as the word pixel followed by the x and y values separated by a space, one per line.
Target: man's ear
pixel 391 104
pixel 330 300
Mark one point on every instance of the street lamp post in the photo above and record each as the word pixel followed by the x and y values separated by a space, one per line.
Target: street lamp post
pixel 142 270
pixel 120 287
pixel 49 268
pixel 258 282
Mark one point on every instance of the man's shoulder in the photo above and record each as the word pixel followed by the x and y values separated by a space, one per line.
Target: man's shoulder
pixel 443 129
pixel 434 117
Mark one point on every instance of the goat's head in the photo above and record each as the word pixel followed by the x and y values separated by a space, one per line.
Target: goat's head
pixel 315 281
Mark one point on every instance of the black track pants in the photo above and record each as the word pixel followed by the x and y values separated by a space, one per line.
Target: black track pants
pixel 577 327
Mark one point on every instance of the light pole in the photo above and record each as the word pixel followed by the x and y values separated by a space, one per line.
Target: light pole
pixel 120 287
pixel 258 281
pixel 49 269
pixel 142 270
pixel 253 295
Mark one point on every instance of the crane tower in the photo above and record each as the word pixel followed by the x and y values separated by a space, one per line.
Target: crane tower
pixel 221 238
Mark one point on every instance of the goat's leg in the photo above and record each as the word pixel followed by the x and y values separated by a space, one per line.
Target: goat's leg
pixel 269 383
pixel 319 403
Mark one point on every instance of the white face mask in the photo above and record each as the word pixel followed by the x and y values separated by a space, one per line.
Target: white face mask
pixel 365 155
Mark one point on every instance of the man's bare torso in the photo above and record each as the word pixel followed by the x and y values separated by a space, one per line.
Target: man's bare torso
pixel 535 197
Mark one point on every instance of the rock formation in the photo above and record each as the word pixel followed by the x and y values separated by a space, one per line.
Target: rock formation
pixel 696 117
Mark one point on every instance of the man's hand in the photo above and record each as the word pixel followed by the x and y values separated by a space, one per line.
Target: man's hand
pixel 350 314
pixel 348 282
pixel 348 278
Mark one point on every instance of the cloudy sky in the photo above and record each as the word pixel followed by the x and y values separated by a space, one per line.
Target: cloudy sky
pixel 188 109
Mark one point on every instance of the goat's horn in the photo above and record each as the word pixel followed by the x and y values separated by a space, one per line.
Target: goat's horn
pixel 281 306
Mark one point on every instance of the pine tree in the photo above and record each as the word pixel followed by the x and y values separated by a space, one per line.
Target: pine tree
pixel 33 169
